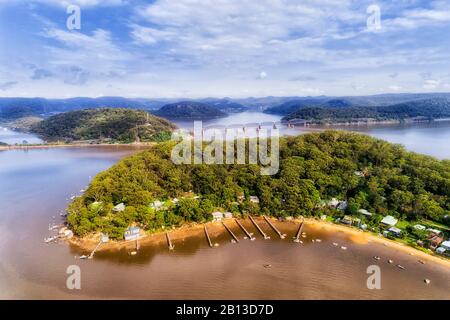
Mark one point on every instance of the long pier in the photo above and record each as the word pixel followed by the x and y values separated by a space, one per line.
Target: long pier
pixel 282 236
pixel 207 237
pixel 258 227
pixel 169 242
pixel 249 235
pixel 299 232
pixel 231 232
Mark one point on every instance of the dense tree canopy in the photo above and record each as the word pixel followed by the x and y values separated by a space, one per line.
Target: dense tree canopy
pixel 371 174
pixel 114 124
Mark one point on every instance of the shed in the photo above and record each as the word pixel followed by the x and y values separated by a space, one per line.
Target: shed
pixel 389 221
pixel 395 231
pixel 365 212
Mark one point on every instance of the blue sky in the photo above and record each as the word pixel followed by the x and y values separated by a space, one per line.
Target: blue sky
pixel 234 48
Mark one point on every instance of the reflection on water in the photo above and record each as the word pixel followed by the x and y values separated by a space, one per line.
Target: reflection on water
pixel 35 185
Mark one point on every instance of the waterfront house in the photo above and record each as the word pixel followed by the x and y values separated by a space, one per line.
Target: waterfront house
pixel 435 240
pixel 389 221
pixel 254 199
pixel 342 205
pixel 132 233
pixel 217 216
pixel 365 212
pixel 396 232
pixel 347 220
pixel 119 208
pixel 228 215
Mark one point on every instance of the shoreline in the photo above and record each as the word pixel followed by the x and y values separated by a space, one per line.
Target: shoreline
pixel 75 145
pixel 357 236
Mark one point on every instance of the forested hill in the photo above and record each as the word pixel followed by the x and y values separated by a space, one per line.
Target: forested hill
pixel 422 109
pixel 371 174
pixel 107 124
pixel 189 110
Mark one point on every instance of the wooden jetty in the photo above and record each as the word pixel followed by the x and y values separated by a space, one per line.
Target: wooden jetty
pixel 259 228
pixel 169 242
pixel 95 249
pixel 231 232
pixel 249 235
pixel 299 232
pixel 282 236
pixel 207 236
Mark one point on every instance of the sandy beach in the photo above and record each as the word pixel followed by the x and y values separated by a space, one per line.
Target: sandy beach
pixel 88 243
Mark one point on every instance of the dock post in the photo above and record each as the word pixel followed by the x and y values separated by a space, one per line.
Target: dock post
pixel 169 242
pixel 259 229
pixel 282 236
pixel 299 232
pixel 231 232
pixel 207 237
pixel 249 235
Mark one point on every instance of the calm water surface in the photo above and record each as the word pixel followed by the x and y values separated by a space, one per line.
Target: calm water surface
pixel 36 185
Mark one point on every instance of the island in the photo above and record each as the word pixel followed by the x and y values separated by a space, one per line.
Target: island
pixel 337 176
pixel 189 110
pixel 103 125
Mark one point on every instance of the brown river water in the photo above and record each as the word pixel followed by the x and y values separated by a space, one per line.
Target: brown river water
pixel 36 185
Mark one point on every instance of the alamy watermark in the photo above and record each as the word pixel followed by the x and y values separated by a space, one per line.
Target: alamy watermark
pixel 73 281
pixel 374 20
pixel 229 146
pixel 374 280
pixel 73 21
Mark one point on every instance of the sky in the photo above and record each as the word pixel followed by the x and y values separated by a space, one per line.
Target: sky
pixel 223 48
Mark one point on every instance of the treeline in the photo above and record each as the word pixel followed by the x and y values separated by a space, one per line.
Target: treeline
pixel 424 109
pixel 369 173
pixel 105 124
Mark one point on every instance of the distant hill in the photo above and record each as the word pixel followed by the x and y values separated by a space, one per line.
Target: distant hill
pixel 189 110
pixel 13 108
pixel 225 105
pixel 352 101
pixel 422 109
pixel 104 124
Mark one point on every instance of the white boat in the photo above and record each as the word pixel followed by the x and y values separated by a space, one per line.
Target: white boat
pixel 83 257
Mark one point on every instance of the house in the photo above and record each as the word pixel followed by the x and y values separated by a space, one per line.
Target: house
pixel 342 205
pixel 419 227
pixel 347 220
pixel 157 205
pixel 132 233
pixel 365 212
pixel 228 215
pixel 389 221
pixel 254 199
pixel 396 232
pixel 446 245
pixel 435 240
pixel 119 208
pixel 217 216
pixel 332 203
pixel 434 231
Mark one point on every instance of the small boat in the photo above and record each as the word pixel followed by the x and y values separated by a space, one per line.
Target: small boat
pixel 296 240
pixel 233 241
pixel 83 257
pixel 427 281
pixel 318 240
pixel 422 262
pixel 335 244
pixel 245 237
pixel 376 258
pixel 400 267
pixel 252 239
pixel 344 248
pixel 216 244
pixel 267 266
pixel 390 261
pixel 133 253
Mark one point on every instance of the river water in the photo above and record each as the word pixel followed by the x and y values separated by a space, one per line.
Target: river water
pixel 36 185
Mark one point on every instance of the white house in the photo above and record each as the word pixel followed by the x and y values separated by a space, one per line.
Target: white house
pixel 228 215
pixel 389 221
pixel 217 216
pixel 254 199
pixel 156 205
pixel 132 233
pixel 365 212
pixel 119 208
pixel 445 245
pixel 419 227
pixel 395 231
